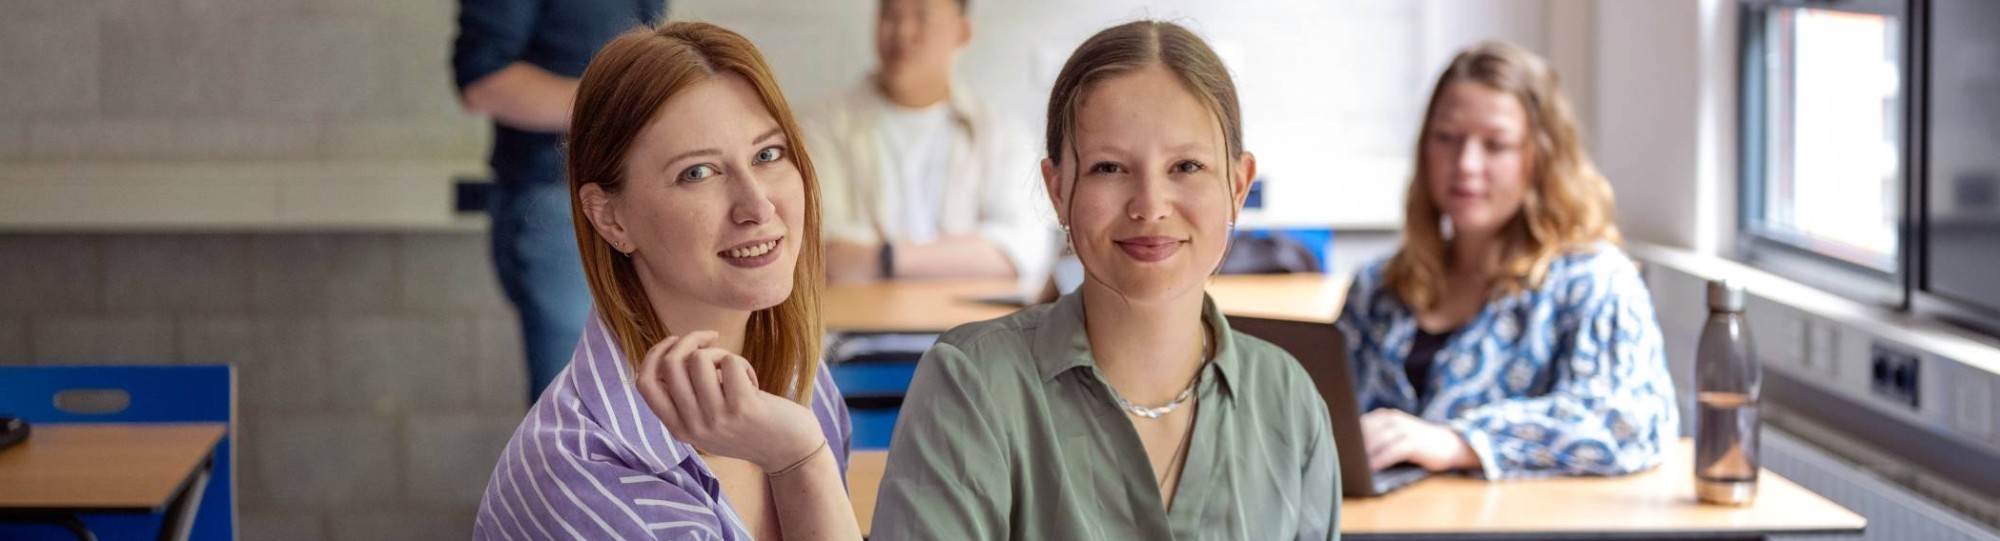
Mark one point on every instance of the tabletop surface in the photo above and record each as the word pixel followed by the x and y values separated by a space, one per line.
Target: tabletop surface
pixel 1659 501
pixel 1653 503
pixel 939 306
pixel 65 466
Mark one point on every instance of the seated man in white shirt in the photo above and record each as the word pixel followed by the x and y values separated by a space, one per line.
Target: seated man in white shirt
pixel 920 180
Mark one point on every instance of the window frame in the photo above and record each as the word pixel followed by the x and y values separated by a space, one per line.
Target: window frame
pixel 1924 303
pixel 1755 244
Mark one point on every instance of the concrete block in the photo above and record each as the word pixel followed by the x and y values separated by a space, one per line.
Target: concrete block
pixel 13 341
pixel 50 273
pixel 179 64
pixel 388 364
pixel 321 461
pixel 500 360
pixel 51 64
pixel 450 456
pixel 259 525
pixel 302 273
pixel 455 137
pixel 102 339
pixel 449 271
pixel 177 273
pixel 279 360
pixel 420 524
pixel 100 139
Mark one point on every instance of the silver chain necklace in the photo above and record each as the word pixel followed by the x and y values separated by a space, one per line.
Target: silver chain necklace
pixel 1182 398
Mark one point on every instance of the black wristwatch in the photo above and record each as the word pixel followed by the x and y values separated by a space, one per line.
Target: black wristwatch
pixel 887 258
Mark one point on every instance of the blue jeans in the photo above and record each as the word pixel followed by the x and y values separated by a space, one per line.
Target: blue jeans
pixel 534 251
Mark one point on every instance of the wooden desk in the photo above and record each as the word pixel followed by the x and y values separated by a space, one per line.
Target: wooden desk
pixel 913 306
pixel 1658 504
pixel 1297 313
pixel 939 306
pixel 1299 298
pixel 63 470
pixel 1297 306
pixel 103 467
pixel 864 480
pixel 1652 505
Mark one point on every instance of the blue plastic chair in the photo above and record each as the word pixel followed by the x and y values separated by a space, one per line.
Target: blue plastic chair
pixel 874 380
pixel 157 394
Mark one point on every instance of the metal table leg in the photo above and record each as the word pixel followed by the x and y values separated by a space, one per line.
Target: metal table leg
pixel 180 512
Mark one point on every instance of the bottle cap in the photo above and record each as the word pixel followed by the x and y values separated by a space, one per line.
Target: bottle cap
pixel 1725 296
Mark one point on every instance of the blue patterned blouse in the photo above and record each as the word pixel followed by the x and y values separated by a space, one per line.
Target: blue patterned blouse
pixel 1568 378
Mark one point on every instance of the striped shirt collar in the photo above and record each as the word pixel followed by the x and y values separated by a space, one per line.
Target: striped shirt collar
pixel 604 383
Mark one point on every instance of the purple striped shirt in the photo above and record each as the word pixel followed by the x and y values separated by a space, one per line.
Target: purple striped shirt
pixel 591 461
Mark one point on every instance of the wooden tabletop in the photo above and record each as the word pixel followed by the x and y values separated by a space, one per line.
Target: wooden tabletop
pixel 939 306
pixel 121 467
pixel 1656 503
pixel 864 478
pixel 910 306
pixel 1304 298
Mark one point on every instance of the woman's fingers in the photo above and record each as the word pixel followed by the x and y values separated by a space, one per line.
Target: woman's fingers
pixel 1381 442
pixel 1394 453
pixel 702 367
pixel 647 381
pixel 673 376
pixel 739 383
pixel 1386 437
pixel 690 342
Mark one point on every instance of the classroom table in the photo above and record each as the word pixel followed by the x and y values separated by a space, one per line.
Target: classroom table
pixel 67 469
pixel 1299 306
pixel 911 306
pixel 1656 504
pixel 1296 312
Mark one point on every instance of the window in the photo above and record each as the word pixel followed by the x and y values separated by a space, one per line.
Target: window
pixel 1823 140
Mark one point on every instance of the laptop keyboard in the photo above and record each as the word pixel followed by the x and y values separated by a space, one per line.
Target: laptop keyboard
pixel 1398 477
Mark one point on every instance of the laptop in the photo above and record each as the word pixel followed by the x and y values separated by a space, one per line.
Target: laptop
pixel 1335 382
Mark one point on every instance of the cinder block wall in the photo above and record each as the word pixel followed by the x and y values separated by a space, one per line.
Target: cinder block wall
pixel 379 374
pixel 206 80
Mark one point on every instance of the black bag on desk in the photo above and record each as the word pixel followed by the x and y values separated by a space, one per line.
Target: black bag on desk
pixel 12 430
pixel 1268 253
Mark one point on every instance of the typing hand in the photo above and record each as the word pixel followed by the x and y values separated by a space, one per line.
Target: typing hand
pixel 1394 437
pixel 708 397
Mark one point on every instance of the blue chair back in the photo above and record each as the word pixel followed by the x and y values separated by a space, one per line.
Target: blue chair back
pixel 873 371
pixel 156 394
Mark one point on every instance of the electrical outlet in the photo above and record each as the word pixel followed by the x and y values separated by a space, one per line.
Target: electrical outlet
pixel 1895 375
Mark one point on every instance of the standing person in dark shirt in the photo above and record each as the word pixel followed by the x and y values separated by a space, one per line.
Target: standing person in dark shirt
pixel 518 61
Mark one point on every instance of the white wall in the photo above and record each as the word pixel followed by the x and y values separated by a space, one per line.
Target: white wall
pixel 1665 119
pixel 1332 91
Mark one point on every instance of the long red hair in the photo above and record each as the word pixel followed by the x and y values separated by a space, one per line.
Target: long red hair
pixel 620 93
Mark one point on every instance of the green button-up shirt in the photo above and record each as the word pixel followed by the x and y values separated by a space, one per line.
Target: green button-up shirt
pixel 1010 432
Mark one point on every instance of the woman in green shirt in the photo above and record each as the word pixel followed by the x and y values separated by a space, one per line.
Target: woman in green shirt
pixel 1129 409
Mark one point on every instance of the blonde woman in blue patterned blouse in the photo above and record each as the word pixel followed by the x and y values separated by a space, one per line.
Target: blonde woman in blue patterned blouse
pixel 1509 336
